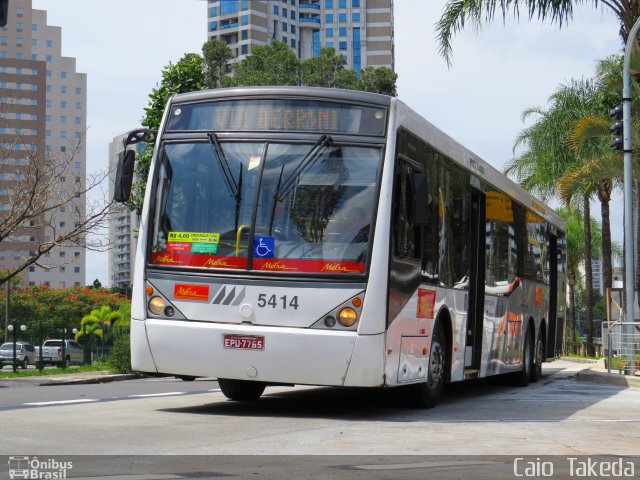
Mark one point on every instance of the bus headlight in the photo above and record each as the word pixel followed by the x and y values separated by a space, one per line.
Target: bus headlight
pixel 347 317
pixel 156 305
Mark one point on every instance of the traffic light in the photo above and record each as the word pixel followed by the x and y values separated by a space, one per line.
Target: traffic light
pixel 617 129
pixel 4 11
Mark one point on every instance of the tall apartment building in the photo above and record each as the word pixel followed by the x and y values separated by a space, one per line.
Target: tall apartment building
pixel 360 30
pixel 122 225
pixel 43 114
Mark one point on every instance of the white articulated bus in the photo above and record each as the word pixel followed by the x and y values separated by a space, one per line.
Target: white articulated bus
pixel 316 236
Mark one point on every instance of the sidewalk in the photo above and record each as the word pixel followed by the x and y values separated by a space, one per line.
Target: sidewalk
pixel 101 376
pixel 597 373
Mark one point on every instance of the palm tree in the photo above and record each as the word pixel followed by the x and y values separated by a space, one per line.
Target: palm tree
pixel 98 322
pixel 458 14
pixel 549 156
pixel 606 171
pixel 575 257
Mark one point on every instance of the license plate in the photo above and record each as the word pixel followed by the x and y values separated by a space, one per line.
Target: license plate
pixel 244 342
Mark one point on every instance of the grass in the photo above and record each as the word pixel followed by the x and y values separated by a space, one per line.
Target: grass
pixel 7 372
pixel 575 355
pixel 619 363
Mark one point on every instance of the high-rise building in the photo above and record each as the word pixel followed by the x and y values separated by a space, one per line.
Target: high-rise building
pixel 360 30
pixel 122 226
pixel 43 117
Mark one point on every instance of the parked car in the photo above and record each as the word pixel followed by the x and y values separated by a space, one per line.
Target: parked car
pixel 52 352
pixel 25 354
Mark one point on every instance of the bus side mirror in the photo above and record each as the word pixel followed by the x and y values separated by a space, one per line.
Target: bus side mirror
pixel 124 176
pixel 420 195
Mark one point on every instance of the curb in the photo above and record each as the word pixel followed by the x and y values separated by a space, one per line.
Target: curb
pixel 604 378
pixel 93 380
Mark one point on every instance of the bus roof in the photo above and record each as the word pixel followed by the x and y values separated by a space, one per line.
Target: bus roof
pixel 320 93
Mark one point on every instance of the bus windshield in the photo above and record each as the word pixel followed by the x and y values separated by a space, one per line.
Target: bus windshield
pixel 266 206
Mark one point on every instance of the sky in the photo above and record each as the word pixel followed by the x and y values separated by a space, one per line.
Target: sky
pixel 496 73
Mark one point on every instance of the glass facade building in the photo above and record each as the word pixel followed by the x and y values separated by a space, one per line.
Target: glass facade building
pixel 360 30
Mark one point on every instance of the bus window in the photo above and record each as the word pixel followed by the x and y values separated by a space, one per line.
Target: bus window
pixel 406 235
pixel 501 253
pixel 454 210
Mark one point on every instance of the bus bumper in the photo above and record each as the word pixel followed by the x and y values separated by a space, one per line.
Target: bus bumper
pixel 290 355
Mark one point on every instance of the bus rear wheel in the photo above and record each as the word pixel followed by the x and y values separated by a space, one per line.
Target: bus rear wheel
pixel 428 394
pixel 241 390
pixel 524 376
pixel 536 372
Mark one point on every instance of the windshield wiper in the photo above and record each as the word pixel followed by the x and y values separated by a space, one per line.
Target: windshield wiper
pixel 232 186
pixel 310 158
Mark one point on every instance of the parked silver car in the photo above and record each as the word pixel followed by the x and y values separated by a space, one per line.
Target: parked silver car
pixel 25 354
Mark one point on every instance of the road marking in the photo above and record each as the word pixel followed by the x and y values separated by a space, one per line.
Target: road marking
pixel 214 390
pixel 158 476
pixel 62 402
pixel 166 394
pixel 405 466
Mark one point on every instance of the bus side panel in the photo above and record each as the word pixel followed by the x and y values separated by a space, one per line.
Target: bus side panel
pixel 456 302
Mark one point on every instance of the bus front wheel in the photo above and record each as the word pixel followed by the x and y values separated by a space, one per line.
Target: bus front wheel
pixel 241 390
pixel 427 394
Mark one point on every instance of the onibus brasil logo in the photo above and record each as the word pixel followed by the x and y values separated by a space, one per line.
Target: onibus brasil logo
pixel 34 468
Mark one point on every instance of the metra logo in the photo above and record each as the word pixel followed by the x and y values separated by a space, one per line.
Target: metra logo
pixel 276 266
pixel 166 259
pixel 218 262
pixel 336 267
pixel 191 292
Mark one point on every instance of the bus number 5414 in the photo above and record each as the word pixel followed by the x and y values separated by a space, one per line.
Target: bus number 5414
pixel 274 301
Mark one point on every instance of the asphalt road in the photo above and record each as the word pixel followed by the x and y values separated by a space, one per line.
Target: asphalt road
pixel 167 428
pixel 17 394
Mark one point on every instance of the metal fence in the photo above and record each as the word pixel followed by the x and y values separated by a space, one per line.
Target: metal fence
pixel 623 346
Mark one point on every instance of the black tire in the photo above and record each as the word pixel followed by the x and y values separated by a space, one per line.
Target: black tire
pixel 68 361
pixel 25 363
pixel 524 376
pixel 241 390
pixel 538 359
pixel 428 394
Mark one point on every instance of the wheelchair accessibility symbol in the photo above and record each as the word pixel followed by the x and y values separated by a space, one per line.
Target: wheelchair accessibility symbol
pixel 264 247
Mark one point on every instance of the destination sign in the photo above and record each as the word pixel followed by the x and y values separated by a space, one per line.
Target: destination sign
pixel 279 116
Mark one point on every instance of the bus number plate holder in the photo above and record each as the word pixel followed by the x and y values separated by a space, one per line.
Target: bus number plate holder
pixel 243 342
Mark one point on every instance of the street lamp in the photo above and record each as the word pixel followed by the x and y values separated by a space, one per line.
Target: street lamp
pixel 14 329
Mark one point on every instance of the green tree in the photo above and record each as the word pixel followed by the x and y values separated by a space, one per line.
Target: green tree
pixel 216 56
pixel 379 80
pixel 99 323
pixel 459 14
pixel 184 76
pixel 576 247
pixel 274 64
pixel 328 70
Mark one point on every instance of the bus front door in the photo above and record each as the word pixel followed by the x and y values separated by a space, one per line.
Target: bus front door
pixel 475 312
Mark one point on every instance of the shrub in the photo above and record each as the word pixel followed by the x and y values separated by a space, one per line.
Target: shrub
pixel 120 357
